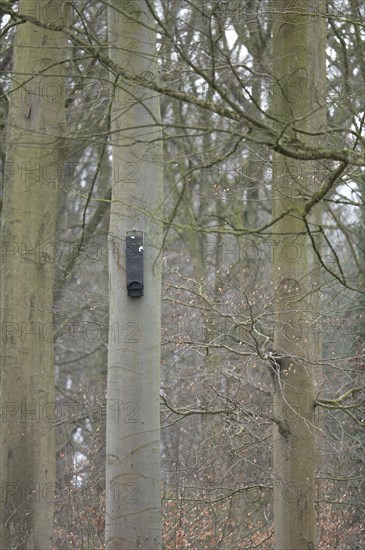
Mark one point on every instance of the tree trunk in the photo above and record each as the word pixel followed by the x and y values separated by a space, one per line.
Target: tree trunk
pixel 298 51
pixel 33 171
pixel 133 502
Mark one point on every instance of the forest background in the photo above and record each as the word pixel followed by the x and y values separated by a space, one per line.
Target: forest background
pixel 232 135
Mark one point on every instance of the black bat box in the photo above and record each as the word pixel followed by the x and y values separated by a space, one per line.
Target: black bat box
pixel 134 261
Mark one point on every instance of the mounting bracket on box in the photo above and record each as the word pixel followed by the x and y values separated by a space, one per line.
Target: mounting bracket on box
pixel 134 262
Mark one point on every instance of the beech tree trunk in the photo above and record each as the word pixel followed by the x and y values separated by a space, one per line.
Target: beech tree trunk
pixel 34 162
pixel 133 508
pixel 299 38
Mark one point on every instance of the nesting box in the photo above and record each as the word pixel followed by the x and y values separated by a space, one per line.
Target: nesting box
pixel 134 263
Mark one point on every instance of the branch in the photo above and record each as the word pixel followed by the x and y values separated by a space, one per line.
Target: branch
pixel 202 410
pixel 334 403
pixel 290 148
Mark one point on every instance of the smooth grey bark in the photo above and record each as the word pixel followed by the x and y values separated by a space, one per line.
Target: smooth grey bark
pixel 34 162
pixel 298 52
pixel 133 501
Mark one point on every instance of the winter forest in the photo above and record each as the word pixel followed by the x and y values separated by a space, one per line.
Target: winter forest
pixel 182 278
